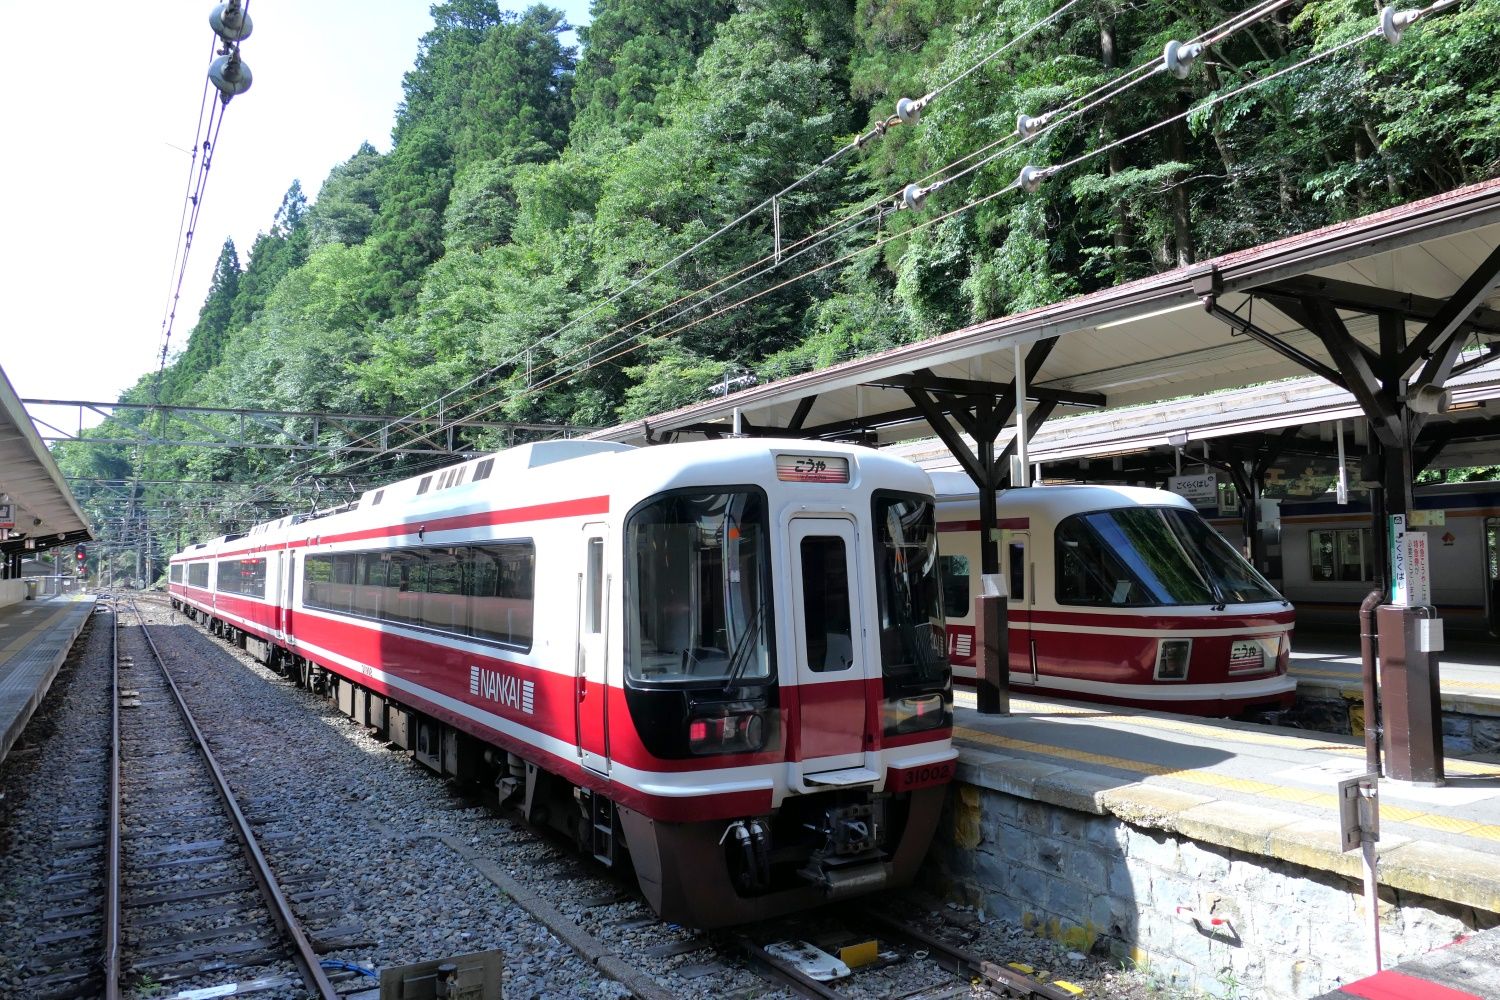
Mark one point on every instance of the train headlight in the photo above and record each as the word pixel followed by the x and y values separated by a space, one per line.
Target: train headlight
pixel 1172 656
pixel 739 732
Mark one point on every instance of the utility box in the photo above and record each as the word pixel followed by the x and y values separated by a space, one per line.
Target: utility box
pixel 1411 709
pixel 464 977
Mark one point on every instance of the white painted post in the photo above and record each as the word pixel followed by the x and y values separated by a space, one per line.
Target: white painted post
pixel 1343 486
pixel 1021 417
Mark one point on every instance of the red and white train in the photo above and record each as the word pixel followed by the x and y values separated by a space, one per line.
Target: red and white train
pixel 723 659
pixel 1117 594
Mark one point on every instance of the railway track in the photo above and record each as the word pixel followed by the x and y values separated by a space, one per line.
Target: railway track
pixel 188 898
pixel 604 915
pixel 892 941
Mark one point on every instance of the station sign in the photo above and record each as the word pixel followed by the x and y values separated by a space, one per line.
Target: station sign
pixel 1411 566
pixel 1200 491
pixel 7 515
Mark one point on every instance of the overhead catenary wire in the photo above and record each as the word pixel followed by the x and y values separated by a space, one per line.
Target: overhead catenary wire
pixel 1383 29
pixel 205 142
pixel 857 216
pixel 174 284
pixel 1090 100
pixel 1240 21
pixel 908 111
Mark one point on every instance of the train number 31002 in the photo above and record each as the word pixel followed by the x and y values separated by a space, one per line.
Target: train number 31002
pixel 931 774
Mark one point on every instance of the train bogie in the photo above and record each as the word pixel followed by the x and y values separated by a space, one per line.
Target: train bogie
pixel 727 659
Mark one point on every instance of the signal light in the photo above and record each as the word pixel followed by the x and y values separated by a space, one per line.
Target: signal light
pixel 80 553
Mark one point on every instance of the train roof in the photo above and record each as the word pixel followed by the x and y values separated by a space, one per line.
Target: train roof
pixel 627 472
pixel 1057 501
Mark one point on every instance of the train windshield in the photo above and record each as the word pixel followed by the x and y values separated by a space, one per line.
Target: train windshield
pixel 699 589
pixel 1151 556
pixel 913 639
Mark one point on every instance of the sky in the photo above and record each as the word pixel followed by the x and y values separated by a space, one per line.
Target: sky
pixel 96 164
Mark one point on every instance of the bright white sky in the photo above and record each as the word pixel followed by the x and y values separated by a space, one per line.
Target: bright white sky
pixel 94 187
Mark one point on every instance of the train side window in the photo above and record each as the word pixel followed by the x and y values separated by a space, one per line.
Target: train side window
pixel 502 591
pixel 369 579
pixel 594 586
pixel 956 602
pixel 825 604
pixel 317 577
pixel 198 575
pixel 1340 554
pixel 1017 571
pixel 443 604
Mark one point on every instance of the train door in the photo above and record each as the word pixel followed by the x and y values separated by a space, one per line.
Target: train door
pixel 276 587
pixel 1019 603
pixel 829 638
pixel 1492 573
pixel 289 595
pixel 591 707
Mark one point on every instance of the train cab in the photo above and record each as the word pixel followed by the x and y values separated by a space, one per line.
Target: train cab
pixel 1121 595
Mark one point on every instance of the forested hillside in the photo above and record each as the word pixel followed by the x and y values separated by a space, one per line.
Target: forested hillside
pixel 530 184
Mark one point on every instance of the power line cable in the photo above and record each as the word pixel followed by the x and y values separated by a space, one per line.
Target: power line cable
pixel 908 112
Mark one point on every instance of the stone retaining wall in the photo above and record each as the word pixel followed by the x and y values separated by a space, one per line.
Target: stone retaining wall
pixel 1150 896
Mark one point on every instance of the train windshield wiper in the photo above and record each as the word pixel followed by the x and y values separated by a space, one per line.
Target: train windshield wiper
pixel 739 656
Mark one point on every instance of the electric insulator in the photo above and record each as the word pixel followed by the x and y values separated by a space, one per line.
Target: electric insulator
pixel 909 111
pixel 1180 56
pixel 1393 23
pixel 1027 126
pixel 231 75
pixel 231 23
pixel 1031 178
pixel 913 196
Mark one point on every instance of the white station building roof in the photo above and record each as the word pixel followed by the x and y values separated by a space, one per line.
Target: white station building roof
pixel 44 509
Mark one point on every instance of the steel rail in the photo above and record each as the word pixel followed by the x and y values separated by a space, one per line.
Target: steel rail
pixel 1008 982
pixel 112 837
pixel 281 912
pixel 774 969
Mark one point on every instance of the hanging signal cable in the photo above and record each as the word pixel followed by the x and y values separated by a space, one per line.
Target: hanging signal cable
pixel 228 74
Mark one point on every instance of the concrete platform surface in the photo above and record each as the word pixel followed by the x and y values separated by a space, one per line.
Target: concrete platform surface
pixel 1327 664
pixel 1465 970
pixel 35 637
pixel 1263 790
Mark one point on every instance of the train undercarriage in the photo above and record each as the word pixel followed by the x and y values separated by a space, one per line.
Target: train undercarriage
pixel 814 849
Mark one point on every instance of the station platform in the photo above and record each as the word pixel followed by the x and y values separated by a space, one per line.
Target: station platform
pixel 35 637
pixel 1326 665
pixel 1262 790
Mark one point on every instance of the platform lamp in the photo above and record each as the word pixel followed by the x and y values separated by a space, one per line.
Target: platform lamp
pixel 1178 440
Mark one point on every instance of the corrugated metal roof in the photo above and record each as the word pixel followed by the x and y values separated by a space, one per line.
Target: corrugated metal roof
pixel 32 479
pixel 1147 340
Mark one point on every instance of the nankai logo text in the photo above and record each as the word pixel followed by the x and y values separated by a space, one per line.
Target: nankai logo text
pixel 504 688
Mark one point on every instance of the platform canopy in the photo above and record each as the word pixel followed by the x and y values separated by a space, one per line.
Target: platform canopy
pixel 43 509
pixel 1422 276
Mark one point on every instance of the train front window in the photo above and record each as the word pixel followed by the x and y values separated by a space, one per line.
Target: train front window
pixel 908 581
pixel 699 589
pixel 1151 556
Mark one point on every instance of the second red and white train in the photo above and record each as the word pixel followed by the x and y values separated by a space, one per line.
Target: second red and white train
pixel 1117 594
